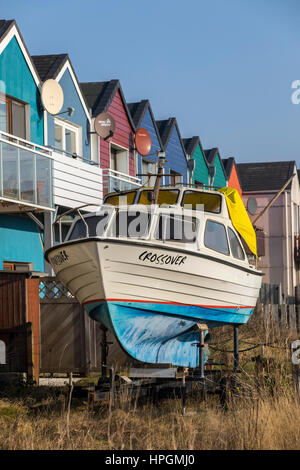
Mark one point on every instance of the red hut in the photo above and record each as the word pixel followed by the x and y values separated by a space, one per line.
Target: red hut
pixel 116 148
pixel 233 180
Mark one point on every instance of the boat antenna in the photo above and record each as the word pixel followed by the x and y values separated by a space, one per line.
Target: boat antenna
pixel 160 168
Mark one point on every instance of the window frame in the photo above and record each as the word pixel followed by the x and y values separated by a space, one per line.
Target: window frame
pixel 226 236
pixel 66 125
pixel 9 100
pixel 202 192
pixel 146 180
pixel 118 148
pixel 174 215
pixel 240 244
pixel 174 174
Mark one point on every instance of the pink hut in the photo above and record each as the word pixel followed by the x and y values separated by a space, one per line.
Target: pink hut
pixel 115 139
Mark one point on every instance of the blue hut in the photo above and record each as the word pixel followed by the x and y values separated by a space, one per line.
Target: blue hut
pixel 176 159
pixel 143 117
pixel 68 131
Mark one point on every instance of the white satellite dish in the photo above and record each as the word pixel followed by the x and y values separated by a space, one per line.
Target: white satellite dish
pixel 52 96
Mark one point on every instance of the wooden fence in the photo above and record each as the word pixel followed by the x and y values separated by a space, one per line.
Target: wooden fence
pixel 283 310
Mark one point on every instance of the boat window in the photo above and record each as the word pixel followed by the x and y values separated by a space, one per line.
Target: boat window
pixel 215 237
pixel 177 228
pixel 96 224
pixel 236 249
pixel 210 202
pixel 131 224
pixel 165 196
pixel 120 199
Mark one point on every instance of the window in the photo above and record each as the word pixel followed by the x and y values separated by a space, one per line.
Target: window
pixel 211 202
pixel 67 137
pixel 13 116
pixel 17 266
pixel 175 178
pixel 148 168
pixel 120 199
pixel 215 237
pixel 236 249
pixel 96 226
pixel 176 228
pixel 118 159
pixel 165 196
pixel 131 224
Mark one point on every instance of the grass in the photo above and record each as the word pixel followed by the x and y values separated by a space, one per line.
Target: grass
pixel 264 414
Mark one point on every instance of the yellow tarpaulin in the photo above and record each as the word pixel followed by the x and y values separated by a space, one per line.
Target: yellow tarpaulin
pixel 239 217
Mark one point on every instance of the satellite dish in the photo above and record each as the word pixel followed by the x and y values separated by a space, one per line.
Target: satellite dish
pixel 252 205
pixel 143 141
pixel 52 96
pixel 105 125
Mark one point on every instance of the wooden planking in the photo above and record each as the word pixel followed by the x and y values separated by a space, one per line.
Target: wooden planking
pixel 70 339
pixel 77 180
pixel 75 188
pixel 33 316
pixel 121 135
pixel 12 300
pixel 76 183
pixel 76 167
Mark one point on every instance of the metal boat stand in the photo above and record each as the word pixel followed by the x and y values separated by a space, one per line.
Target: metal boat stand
pixel 161 380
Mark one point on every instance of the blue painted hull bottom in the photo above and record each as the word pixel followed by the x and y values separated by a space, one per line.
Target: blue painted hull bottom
pixel 159 333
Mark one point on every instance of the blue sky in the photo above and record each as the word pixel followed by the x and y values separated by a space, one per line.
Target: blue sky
pixel 223 68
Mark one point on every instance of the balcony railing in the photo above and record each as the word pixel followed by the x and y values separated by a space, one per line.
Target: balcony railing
pixel 25 172
pixel 117 181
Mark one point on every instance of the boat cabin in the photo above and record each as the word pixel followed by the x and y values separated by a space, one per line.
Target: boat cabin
pixel 188 219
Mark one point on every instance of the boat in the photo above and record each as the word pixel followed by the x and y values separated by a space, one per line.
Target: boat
pixel 154 274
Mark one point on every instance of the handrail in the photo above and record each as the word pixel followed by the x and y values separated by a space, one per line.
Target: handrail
pixel 117 173
pixel 58 219
pixel 24 144
pixel 72 155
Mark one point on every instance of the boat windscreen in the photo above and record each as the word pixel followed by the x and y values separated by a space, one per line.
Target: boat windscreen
pixel 209 202
pixel 130 224
pixel 165 196
pixel 96 226
pixel 120 199
pixel 176 228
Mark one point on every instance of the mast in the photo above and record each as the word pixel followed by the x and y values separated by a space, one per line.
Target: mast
pixel 160 165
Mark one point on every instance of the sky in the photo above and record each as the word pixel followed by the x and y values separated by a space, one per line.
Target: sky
pixel 223 68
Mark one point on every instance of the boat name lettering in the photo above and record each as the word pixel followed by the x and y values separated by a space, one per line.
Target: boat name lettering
pixel 178 260
pixel 60 258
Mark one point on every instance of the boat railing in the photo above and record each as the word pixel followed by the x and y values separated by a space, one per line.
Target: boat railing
pixel 59 220
pixel 191 185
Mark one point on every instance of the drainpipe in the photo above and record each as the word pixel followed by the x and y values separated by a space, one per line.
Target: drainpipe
pixel 287 245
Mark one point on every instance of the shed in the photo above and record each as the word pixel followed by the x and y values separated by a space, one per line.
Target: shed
pixel 176 159
pixel 143 117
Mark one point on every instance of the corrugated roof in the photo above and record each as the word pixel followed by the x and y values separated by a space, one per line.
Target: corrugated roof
pixel 266 176
pixel 48 66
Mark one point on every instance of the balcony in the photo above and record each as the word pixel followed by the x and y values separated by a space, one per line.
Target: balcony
pixel 34 177
pixel 25 175
pixel 117 181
